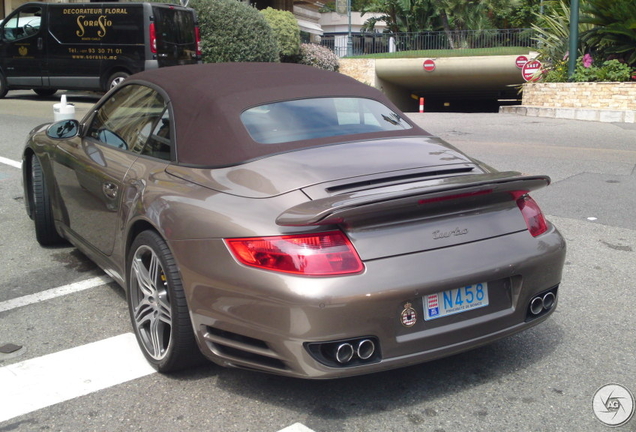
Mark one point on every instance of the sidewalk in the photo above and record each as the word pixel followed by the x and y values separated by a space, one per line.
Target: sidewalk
pixel 588 114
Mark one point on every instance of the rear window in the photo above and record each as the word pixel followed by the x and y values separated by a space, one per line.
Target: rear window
pixel 306 119
pixel 174 26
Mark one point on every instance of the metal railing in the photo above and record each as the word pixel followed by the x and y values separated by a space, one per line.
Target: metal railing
pixel 375 43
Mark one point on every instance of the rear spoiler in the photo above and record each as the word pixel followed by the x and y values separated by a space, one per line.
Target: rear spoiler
pixel 336 209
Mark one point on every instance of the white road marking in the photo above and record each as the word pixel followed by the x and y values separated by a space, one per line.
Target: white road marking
pixel 54 292
pixel 48 380
pixel 10 162
pixel 296 427
pixel 54 378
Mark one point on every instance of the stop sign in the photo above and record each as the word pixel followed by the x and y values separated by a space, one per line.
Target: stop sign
pixel 530 69
pixel 429 65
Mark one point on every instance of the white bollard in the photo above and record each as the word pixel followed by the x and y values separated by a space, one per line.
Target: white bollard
pixel 63 111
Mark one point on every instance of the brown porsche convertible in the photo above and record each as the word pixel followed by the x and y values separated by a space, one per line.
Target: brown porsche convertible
pixel 285 219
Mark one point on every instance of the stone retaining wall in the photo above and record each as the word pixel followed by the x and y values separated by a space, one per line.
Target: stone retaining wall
pixel 361 69
pixel 604 96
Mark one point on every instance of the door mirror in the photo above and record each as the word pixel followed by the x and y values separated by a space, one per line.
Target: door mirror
pixel 63 129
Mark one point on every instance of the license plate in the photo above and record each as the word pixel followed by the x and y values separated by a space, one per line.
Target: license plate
pixel 455 301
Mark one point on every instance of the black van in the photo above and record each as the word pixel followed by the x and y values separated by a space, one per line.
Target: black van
pixel 92 46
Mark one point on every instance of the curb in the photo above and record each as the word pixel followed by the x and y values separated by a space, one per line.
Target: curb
pixel 586 114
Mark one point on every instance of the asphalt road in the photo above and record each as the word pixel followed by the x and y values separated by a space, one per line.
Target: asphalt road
pixel 541 380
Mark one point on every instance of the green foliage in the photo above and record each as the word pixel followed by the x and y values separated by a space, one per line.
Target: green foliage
pixel 232 31
pixel 318 56
pixel 286 31
pixel 583 73
pixel 558 72
pixel 522 16
pixel 424 15
pixel 402 15
pixel 607 71
pixel 614 28
pixel 553 32
pixel 356 5
pixel 614 71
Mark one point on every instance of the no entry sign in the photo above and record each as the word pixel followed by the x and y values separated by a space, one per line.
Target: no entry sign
pixel 530 70
pixel 521 61
pixel 429 65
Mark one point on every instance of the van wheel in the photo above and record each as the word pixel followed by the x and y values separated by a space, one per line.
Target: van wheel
pixel 45 92
pixel 3 86
pixel 116 79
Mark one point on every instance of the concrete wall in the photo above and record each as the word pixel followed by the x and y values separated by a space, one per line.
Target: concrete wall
pixel 606 96
pixel 364 71
pixel 361 69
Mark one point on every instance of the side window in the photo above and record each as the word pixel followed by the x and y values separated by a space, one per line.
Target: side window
pixel 127 119
pixel 24 24
pixel 159 143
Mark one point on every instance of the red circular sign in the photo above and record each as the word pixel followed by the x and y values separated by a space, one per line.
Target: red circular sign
pixel 530 69
pixel 429 65
pixel 521 61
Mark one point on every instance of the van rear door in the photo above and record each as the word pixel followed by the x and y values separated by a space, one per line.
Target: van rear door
pixel 176 39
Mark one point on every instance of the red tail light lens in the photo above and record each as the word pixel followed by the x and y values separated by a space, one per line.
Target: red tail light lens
pixel 153 38
pixel 533 216
pixel 323 254
pixel 197 35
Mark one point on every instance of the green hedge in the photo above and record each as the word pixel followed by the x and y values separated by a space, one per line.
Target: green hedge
pixel 232 31
pixel 286 31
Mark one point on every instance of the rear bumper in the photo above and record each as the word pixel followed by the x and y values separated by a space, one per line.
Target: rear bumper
pixel 264 320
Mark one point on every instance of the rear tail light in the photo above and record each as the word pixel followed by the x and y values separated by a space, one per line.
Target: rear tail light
pixel 323 254
pixel 153 38
pixel 532 214
pixel 197 35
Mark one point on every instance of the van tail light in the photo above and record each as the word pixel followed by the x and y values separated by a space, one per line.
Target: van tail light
pixel 533 215
pixel 197 35
pixel 153 38
pixel 323 254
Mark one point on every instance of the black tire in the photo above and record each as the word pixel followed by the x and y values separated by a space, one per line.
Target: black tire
pixel 157 305
pixel 45 92
pixel 41 211
pixel 3 86
pixel 116 79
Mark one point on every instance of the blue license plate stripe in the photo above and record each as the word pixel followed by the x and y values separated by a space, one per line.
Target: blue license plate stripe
pixel 455 301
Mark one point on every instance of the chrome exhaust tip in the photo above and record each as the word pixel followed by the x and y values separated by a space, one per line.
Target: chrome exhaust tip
pixel 344 353
pixel 548 300
pixel 366 348
pixel 536 306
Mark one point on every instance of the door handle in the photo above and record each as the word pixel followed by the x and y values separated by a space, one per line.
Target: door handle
pixel 40 43
pixel 110 190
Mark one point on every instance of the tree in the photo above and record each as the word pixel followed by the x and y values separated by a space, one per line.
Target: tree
pixel 614 28
pixel 449 15
pixel 522 16
pixel 402 15
pixel 469 15
pixel 553 32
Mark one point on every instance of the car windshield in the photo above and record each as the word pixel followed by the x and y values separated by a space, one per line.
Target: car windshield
pixel 305 119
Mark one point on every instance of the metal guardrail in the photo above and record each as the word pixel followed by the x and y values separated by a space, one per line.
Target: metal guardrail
pixel 375 43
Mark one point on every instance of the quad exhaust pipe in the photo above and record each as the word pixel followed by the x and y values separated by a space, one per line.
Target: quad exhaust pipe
pixel 542 303
pixel 346 351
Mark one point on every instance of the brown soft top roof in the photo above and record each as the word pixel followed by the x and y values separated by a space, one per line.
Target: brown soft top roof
pixel 208 99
